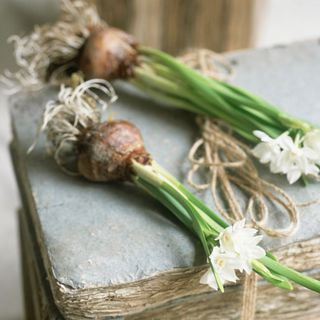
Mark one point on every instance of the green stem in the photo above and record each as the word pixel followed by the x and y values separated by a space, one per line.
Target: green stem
pixel 168 201
pixel 291 274
pixel 146 78
pixel 204 100
pixel 235 101
pixel 164 72
pixel 190 196
pixel 181 98
pixel 153 176
pixel 240 96
pixel 195 212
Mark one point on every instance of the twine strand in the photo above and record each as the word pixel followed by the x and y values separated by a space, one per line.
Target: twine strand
pixel 249 297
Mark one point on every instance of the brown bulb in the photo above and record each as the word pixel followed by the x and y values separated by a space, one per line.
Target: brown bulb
pixel 107 150
pixel 108 53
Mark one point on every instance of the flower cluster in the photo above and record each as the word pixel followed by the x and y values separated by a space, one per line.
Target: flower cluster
pixel 238 247
pixel 294 158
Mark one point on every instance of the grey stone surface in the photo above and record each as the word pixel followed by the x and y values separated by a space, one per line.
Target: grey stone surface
pixel 101 234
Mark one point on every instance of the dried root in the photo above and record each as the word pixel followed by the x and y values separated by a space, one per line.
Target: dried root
pixel 51 45
pixel 66 118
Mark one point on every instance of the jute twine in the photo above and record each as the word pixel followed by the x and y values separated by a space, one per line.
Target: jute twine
pixel 231 169
pixel 236 187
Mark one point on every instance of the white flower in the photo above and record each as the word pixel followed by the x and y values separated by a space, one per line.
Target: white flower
pixel 295 161
pixel 238 247
pixel 289 157
pixel 312 142
pixel 224 264
pixel 243 243
pixel 268 149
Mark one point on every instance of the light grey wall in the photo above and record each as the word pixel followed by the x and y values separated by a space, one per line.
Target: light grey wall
pixel 16 17
pixel 283 21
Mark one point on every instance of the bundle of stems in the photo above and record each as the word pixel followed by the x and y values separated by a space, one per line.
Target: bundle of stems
pixel 168 80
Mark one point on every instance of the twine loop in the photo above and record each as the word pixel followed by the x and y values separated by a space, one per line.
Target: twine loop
pixel 233 176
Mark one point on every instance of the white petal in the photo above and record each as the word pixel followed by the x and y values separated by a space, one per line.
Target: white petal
pixel 228 274
pixel 248 232
pixel 214 254
pixel 226 240
pixel 262 152
pixel 286 142
pixel 310 153
pixel 275 167
pixel 228 229
pixel 239 224
pixel 312 169
pixel 209 279
pixel 293 175
pixel 303 164
pixel 257 239
pixel 247 267
pixel 262 135
pixel 285 162
pixel 257 253
pixel 266 157
pixel 312 140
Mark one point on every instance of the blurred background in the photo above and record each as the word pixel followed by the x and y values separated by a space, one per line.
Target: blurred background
pixel 173 25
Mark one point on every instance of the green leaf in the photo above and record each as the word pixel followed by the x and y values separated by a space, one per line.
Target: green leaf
pixel 271 255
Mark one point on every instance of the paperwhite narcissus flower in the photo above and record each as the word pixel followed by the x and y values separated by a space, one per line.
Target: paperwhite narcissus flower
pixel 295 161
pixel 268 149
pixel 293 158
pixel 224 264
pixel 242 242
pixel 238 247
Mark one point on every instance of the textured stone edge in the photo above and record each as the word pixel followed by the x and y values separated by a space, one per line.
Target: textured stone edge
pixel 172 286
pixel 38 297
pixel 280 304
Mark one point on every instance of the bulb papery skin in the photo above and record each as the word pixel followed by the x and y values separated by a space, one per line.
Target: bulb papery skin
pixel 108 53
pixel 106 151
